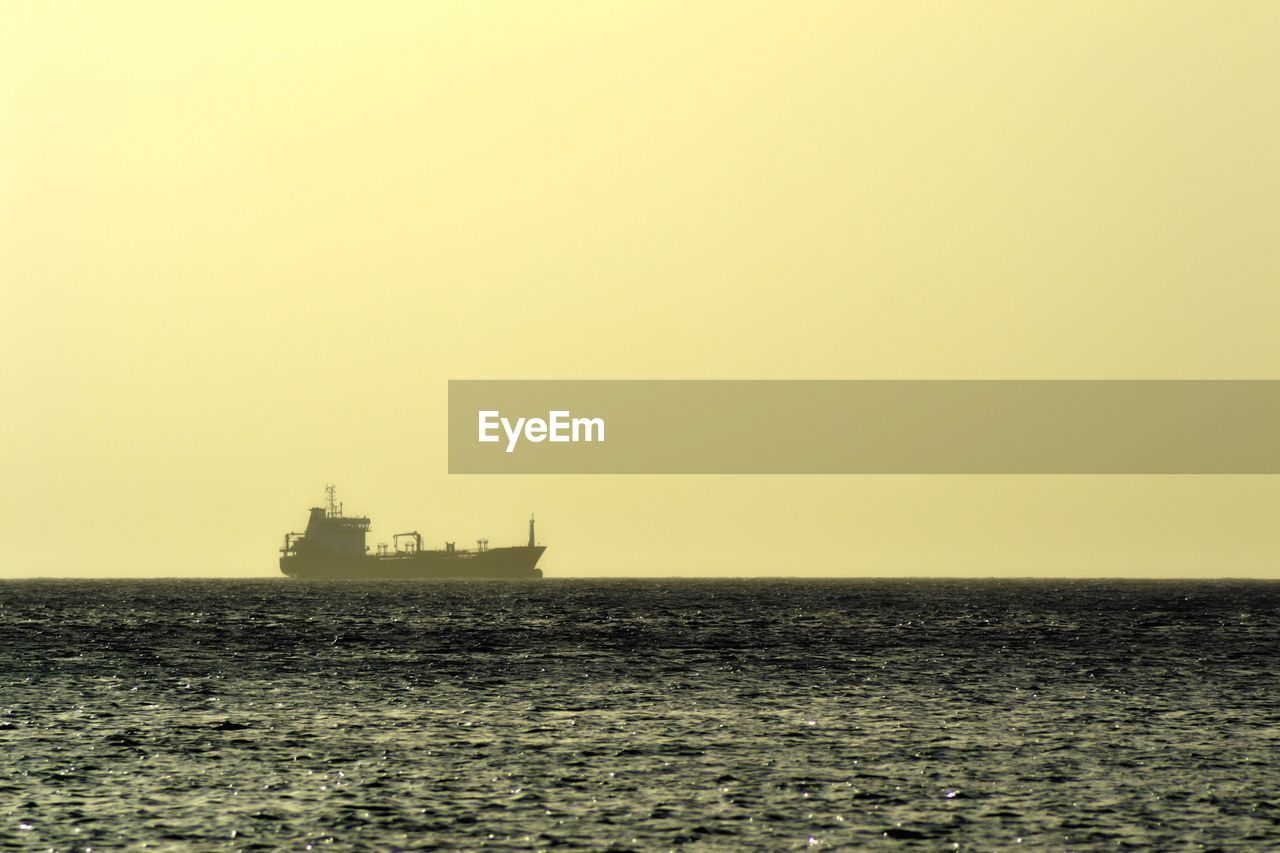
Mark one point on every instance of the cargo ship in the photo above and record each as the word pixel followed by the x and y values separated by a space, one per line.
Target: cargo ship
pixel 333 548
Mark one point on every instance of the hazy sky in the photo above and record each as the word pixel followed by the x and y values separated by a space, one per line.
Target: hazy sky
pixel 243 246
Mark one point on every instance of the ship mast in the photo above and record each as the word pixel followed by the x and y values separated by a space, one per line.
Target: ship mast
pixel 531 542
pixel 335 508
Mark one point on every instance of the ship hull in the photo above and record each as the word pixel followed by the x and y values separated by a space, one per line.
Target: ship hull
pixel 516 563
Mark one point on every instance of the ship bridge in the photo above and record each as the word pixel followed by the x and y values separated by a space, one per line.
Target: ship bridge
pixel 329 531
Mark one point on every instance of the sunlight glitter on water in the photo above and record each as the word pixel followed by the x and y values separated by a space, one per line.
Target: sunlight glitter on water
pixel 646 714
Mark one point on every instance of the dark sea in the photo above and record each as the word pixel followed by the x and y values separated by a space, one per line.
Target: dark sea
pixel 618 715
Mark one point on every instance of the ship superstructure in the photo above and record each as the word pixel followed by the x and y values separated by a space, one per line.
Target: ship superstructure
pixel 333 547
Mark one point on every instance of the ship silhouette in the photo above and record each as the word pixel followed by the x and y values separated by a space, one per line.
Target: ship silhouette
pixel 333 547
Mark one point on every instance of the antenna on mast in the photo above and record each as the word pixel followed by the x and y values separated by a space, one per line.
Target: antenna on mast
pixel 331 492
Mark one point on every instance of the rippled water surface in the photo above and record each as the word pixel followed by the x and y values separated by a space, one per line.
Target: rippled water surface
pixel 640 714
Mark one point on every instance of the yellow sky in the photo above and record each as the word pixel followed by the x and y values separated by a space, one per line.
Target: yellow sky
pixel 243 246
